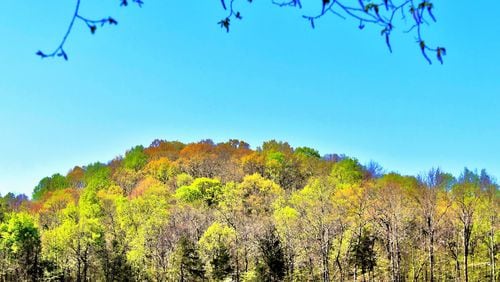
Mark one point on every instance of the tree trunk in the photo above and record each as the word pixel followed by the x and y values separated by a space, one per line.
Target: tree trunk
pixel 326 271
pixel 492 253
pixel 355 273
pixel 78 270
pixel 85 269
pixel 339 265
pixel 431 256
pixel 325 246
pixel 467 233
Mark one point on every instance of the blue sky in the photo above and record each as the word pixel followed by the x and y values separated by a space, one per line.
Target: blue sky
pixel 167 71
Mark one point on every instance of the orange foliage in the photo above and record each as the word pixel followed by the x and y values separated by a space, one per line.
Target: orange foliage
pixel 35 207
pixel 57 200
pixel 164 149
pixel 254 163
pixel 198 151
pixel 143 186
pixel 76 176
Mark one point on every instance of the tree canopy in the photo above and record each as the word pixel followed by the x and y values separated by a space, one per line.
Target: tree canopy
pixel 208 211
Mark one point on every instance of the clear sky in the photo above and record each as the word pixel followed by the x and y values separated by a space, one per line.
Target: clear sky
pixel 167 71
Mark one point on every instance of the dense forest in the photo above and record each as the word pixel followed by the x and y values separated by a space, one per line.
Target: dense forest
pixel 225 212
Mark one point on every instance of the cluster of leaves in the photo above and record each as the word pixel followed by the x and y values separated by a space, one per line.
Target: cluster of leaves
pixel 382 14
pixel 218 212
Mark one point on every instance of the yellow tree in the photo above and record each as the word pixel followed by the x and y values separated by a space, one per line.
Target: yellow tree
pixel 247 207
pixel 433 203
pixel 351 205
pixel 493 235
pixel 349 202
pixel 314 203
pixel 392 210
pixel 467 200
pixel 287 222
pixel 143 220
pixel 217 249
pixel 19 248
pixel 74 245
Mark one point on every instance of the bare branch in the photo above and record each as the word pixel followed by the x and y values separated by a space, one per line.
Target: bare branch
pixel 382 14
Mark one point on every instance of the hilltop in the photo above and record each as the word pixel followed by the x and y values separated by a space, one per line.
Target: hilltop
pixel 211 212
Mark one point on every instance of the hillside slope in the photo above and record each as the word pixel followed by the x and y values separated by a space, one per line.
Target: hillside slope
pixel 213 212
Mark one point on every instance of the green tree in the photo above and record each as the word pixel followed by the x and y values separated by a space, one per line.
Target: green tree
pixel 3 208
pixel 113 257
pixel 221 263
pixel 217 248
pixel 363 253
pixel 143 220
pixel 273 266
pixel 76 244
pixel 307 152
pixel 19 248
pixel 97 175
pixel 282 168
pixel 345 224
pixel 347 172
pixel 48 184
pixel 135 159
pixel 191 267
pixel 202 189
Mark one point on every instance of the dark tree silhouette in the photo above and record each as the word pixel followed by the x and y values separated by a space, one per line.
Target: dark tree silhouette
pixel 409 15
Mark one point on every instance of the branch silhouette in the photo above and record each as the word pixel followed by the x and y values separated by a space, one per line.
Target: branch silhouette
pixel 91 24
pixel 382 13
pixel 387 14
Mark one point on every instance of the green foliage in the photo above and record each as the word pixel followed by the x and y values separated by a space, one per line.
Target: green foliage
pixel 215 247
pixel 141 221
pixel 254 195
pixel 347 172
pixel 220 264
pixel 48 184
pixel 3 208
pixel 135 158
pixel 406 184
pixel 188 194
pixel 19 248
pixel 206 189
pixel 277 146
pixel 283 169
pixel 184 179
pixel 363 253
pixel 191 266
pixel 275 159
pixel 307 152
pixel 250 276
pixel 76 243
pixel 273 266
pixel 275 214
pixel 97 176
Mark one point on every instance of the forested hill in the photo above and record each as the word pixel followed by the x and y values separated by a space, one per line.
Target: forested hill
pixel 224 212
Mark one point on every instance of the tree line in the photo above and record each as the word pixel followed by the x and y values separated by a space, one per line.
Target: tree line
pixel 225 212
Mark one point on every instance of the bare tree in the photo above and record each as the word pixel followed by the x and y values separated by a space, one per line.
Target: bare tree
pixel 433 187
